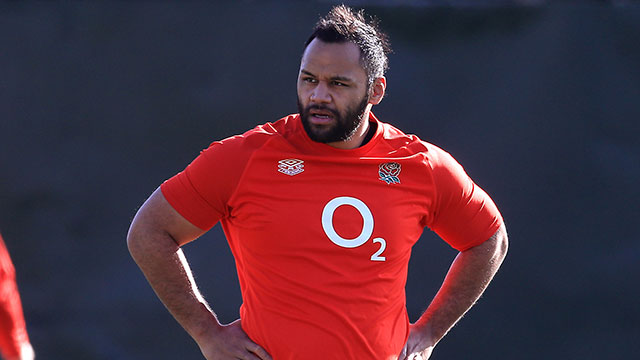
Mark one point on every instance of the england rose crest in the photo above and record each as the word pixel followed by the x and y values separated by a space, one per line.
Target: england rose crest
pixel 389 172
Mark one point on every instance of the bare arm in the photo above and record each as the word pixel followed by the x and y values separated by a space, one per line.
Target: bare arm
pixel 154 240
pixel 468 277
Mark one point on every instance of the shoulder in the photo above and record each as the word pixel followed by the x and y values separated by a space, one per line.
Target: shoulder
pixel 255 138
pixel 398 140
pixel 438 165
pixel 412 144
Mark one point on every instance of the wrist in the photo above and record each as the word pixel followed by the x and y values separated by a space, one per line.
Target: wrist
pixel 425 332
pixel 208 326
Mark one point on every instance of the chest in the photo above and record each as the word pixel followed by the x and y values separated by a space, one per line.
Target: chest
pixel 374 208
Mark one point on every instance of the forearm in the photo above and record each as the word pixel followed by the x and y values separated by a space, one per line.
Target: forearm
pixel 154 240
pixel 468 277
pixel 167 271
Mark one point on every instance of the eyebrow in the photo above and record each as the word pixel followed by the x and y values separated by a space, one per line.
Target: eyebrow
pixel 333 78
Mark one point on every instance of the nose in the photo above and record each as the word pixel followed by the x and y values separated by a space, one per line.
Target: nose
pixel 320 94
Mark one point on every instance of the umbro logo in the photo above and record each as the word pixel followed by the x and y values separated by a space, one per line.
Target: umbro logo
pixel 291 166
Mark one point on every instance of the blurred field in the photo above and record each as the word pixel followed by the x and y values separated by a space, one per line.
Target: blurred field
pixel 102 101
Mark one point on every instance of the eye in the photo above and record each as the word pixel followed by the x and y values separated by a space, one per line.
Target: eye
pixel 309 80
pixel 339 83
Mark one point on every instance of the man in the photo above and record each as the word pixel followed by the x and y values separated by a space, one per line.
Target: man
pixel 14 341
pixel 320 210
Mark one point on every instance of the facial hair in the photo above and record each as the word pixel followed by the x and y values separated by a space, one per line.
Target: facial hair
pixel 344 127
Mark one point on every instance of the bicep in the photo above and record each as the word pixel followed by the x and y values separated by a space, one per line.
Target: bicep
pixel 157 216
pixel 495 247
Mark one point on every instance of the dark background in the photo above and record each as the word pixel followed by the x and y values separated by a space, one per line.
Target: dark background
pixel 102 101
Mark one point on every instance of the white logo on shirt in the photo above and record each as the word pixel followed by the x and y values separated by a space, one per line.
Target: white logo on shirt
pixel 291 166
pixel 367 226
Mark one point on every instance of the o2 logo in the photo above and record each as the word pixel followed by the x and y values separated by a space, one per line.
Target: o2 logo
pixel 367 227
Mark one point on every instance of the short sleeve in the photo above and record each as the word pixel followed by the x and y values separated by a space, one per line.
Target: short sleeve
pixel 201 191
pixel 464 215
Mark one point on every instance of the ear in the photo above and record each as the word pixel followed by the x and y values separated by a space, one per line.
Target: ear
pixel 376 93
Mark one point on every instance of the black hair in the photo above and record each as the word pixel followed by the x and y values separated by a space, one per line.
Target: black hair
pixel 342 24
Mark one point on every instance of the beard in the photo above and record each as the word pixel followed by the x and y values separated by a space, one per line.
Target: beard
pixel 343 128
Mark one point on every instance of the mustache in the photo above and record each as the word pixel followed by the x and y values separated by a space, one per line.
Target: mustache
pixel 308 109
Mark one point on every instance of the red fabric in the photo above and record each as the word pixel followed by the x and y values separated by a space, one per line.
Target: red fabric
pixel 322 236
pixel 13 332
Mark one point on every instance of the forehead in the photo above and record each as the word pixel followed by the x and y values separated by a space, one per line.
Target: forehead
pixel 323 58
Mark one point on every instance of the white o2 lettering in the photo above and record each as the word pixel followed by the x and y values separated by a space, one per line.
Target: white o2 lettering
pixel 383 245
pixel 365 233
pixel 327 221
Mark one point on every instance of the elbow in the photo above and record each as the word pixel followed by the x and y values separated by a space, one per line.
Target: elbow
pixel 133 242
pixel 146 242
pixel 138 237
pixel 138 240
pixel 501 243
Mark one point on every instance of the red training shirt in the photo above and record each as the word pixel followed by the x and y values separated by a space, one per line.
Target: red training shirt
pixel 13 331
pixel 322 236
